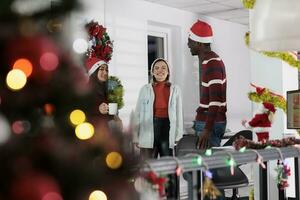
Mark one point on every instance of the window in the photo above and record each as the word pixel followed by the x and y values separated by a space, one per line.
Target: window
pixel 157 48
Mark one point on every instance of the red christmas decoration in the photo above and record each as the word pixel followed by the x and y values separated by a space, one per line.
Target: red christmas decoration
pixel 100 46
pixel 34 186
pixel 262 121
pixel 249 144
pixel 157 181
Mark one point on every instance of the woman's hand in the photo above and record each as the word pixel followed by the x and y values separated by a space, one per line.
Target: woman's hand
pixel 103 108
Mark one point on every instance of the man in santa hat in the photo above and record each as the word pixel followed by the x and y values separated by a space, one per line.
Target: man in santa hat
pixel 262 121
pixel 210 122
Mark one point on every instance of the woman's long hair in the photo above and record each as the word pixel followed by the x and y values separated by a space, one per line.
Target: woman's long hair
pixel 99 86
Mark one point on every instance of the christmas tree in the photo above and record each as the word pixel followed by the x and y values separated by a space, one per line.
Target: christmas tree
pixel 48 148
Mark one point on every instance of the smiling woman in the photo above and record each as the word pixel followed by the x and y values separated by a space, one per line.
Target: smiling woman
pixel 158 119
pixel 160 70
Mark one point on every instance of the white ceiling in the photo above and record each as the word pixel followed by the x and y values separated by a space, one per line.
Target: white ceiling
pixel 230 10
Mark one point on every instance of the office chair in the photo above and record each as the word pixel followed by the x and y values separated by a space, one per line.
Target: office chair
pixel 222 177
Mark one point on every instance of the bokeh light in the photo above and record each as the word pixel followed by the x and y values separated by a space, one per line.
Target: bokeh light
pixel 52 196
pixel 84 131
pixel 49 61
pixel 242 150
pixel 230 162
pixel 208 152
pixel 138 184
pixel 114 160
pixel 49 108
pixel 20 126
pixel 97 195
pixel 80 45
pixel 208 174
pixel 54 25
pixel 4 130
pixel 16 79
pixel 24 65
pixel 199 160
pixel 77 117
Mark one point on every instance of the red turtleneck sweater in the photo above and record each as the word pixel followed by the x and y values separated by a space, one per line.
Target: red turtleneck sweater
pixel 161 101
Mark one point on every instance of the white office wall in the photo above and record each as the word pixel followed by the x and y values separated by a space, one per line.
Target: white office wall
pixel 127 23
pixel 279 77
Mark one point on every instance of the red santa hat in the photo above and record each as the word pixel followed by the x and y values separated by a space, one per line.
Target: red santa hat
pixel 92 64
pixel 270 107
pixel 201 32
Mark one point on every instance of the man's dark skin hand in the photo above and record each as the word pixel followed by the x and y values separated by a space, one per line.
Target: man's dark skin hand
pixel 203 141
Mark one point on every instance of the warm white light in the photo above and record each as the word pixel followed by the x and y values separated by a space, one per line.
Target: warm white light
pixel 84 131
pixel 16 79
pixel 97 195
pixel 80 45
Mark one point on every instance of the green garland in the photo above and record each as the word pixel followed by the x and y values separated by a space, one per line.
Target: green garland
pixel 115 91
pixel 284 56
pixel 248 4
pixel 266 96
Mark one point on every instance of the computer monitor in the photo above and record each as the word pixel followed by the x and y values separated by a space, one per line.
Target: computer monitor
pixel 293 109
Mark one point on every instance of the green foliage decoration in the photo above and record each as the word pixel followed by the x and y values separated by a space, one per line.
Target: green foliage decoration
pixel 248 4
pixel 267 96
pixel 115 91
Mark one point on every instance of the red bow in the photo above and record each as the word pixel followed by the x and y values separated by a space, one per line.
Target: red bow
pixel 156 180
pixel 259 90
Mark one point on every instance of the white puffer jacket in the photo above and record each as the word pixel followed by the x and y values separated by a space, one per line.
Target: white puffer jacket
pixel 143 130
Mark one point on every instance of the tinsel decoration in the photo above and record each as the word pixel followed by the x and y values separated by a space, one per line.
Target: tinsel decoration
pixel 248 4
pixel 210 190
pixel 115 91
pixel 251 194
pixel 249 144
pixel 283 171
pixel 287 57
pixel 284 56
pixel 157 182
pixel 265 95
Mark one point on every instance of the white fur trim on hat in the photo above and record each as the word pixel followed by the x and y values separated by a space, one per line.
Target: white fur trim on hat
pixel 197 38
pixel 96 66
pixel 152 65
